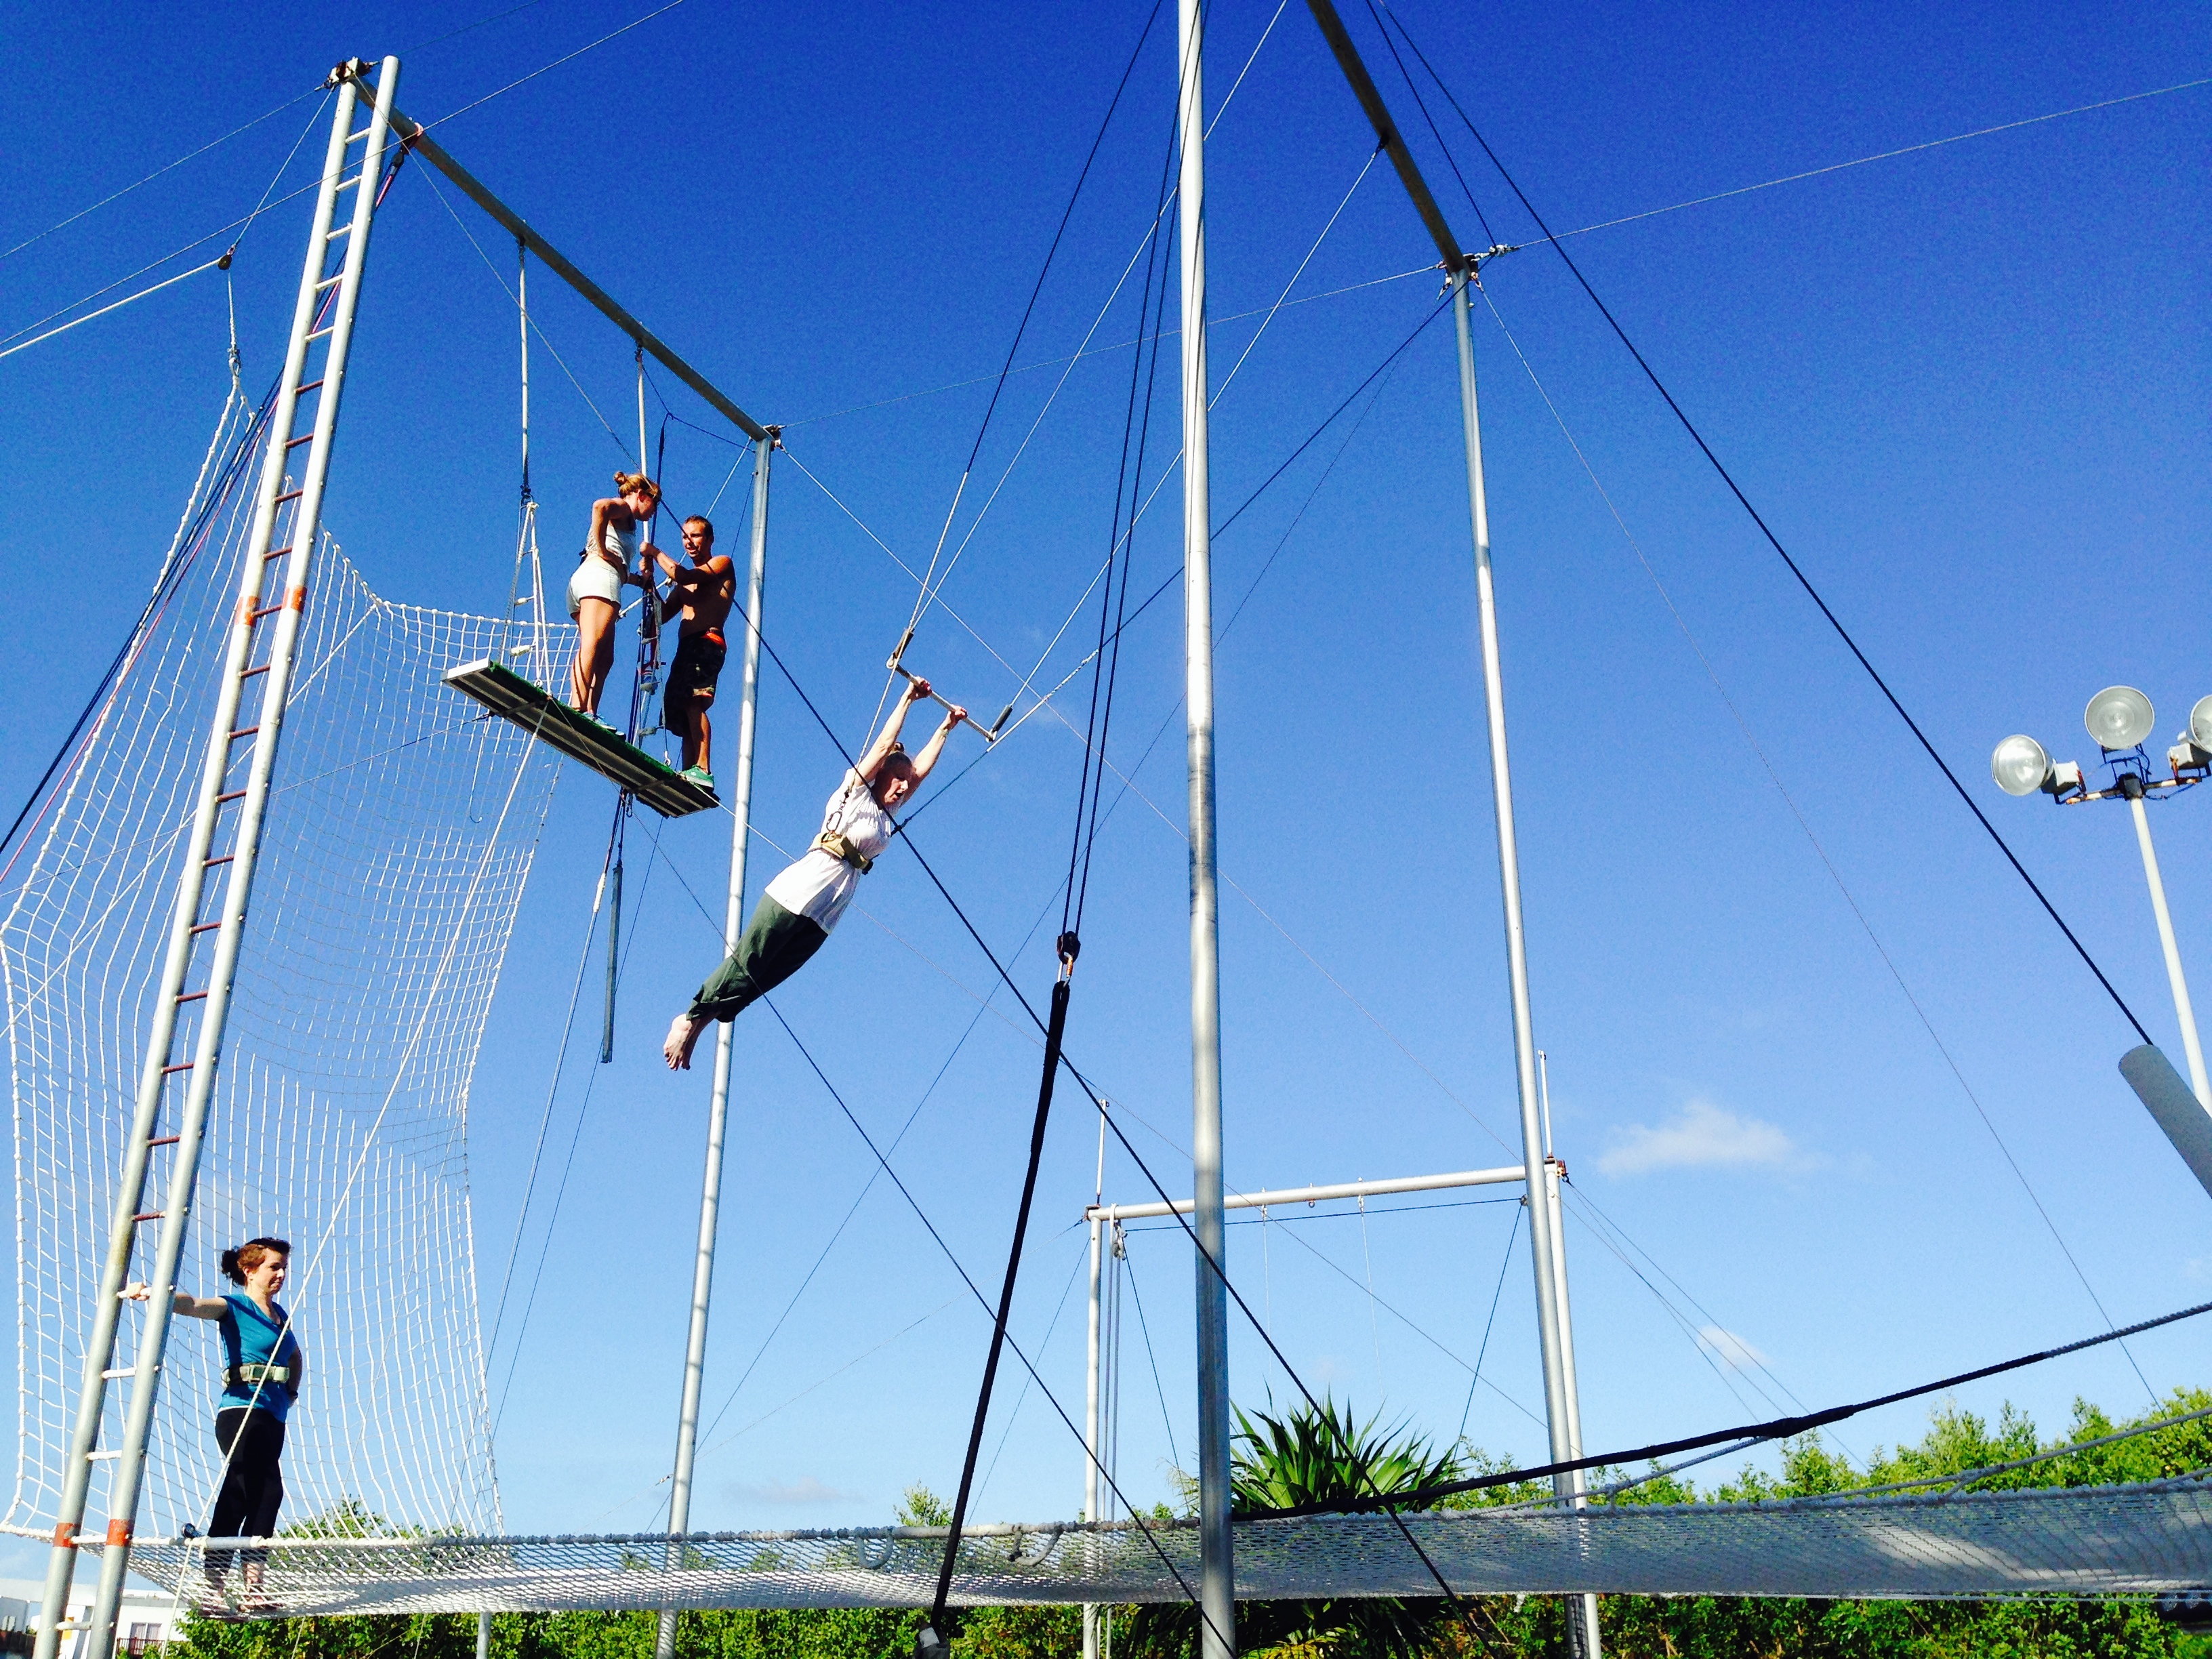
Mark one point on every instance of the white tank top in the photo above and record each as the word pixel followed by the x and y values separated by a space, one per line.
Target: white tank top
pixel 620 546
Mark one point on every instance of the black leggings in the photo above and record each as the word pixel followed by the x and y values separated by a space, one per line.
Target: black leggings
pixel 253 1486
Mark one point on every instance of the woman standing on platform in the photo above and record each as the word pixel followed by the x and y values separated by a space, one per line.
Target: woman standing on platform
pixel 263 1366
pixel 609 561
pixel 800 906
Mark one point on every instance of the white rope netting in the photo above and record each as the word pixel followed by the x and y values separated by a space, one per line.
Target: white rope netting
pixel 2147 1538
pixel 400 828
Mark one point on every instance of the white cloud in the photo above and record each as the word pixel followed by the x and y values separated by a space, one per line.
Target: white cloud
pixel 807 1489
pixel 1701 1136
pixel 1731 1349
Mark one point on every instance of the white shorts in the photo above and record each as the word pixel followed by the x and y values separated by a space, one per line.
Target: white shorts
pixel 595 579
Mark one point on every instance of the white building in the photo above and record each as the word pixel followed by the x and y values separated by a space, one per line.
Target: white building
pixel 150 1615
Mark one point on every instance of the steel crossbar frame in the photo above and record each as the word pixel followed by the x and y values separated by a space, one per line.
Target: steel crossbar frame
pixel 187 930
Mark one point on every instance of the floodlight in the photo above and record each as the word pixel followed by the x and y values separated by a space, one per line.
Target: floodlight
pixel 2119 717
pixel 2200 723
pixel 2020 765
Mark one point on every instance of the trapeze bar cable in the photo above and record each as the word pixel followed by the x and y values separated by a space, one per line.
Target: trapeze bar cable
pixel 413 135
pixel 200 1074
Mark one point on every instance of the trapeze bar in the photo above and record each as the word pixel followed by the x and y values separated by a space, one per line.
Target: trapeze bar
pixel 505 692
pixel 990 733
pixel 1289 1195
pixel 413 136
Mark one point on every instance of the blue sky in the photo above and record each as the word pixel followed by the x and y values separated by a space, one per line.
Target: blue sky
pixel 1966 386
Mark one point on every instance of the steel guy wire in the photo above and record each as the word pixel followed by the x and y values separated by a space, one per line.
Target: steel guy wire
pixel 1775 542
pixel 1804 825
pixel 168 168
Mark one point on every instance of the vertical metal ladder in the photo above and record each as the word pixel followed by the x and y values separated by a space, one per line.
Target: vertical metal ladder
pixel 184 1047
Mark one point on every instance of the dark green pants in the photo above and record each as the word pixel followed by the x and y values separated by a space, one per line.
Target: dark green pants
pixel 775 946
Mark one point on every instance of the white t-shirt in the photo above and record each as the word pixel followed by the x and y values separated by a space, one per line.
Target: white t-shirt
pixel 819 886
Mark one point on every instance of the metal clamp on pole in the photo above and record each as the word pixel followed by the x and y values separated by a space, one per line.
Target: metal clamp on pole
pixel 990 733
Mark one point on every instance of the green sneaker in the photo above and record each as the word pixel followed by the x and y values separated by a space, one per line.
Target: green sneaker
pixel 700 775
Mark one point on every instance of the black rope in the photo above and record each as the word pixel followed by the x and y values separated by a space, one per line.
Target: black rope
pixel 1104 672
pixel 926 1640
pixel 1775 542
pixel 1780 1428
pixel 929 1226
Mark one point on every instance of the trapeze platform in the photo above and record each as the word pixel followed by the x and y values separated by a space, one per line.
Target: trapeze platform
pixel 581 737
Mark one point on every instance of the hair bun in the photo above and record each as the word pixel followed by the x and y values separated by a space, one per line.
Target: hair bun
pixel 228 1263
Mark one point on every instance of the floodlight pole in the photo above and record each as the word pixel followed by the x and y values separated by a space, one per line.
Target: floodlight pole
pixel 2181 1010
pixel 1217 1566
pixel 733 920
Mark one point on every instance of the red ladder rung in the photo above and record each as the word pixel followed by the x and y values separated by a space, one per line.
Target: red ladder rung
pixel 205 927
pixel 295 443
pixel 303 389
pixel 191 996
pixel 288 495
pixel 251 673
pixel 164 1140
pixel 265 610
pixel 275 553
pixel 244 731
pixel 150 1215
pixel 181 1065
pixel 235 794
pixel 209 863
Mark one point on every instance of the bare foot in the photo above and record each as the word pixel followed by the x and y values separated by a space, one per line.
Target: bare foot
pixel 683 1037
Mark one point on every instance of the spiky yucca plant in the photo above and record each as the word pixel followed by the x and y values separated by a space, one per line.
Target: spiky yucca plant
pixel 1314 1455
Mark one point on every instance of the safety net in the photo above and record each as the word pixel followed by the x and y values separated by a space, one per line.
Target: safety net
pixel 2144 1538
pixel 401 826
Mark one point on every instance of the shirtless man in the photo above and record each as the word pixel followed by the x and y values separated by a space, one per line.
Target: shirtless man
pixel 704 589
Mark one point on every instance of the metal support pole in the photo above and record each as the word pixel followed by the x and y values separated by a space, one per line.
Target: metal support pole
pixel 1216 1568
pixel 1093 1448
pixel 129 1454
pixel 1554 1173
pixel 1541 1229
pixel 2182 1010
pixel 733 923
pixel 483 1636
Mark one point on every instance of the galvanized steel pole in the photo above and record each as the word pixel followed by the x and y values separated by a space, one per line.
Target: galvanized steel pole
pixel 733 921
pixel 1090 1426
pixel 1216 1568
pixel 1542 1229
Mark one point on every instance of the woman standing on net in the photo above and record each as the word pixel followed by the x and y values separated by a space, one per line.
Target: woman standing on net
pixel 263 1367
pixel 800 906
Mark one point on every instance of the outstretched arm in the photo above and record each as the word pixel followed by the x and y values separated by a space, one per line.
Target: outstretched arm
pixel 873 758
pixel 927 758
pixel 192 1307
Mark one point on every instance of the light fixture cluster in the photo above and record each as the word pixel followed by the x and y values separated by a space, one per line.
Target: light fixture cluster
pixel 2120 719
